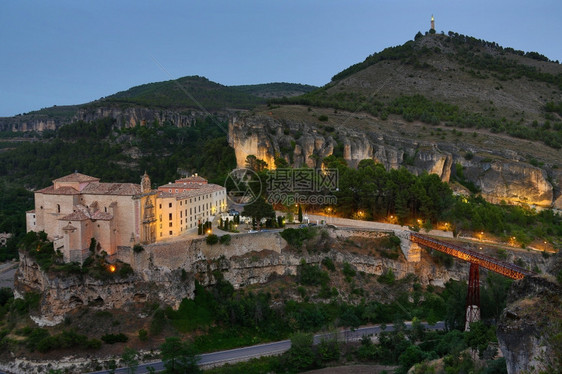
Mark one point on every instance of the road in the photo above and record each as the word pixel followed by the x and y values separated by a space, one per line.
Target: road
pixel 274 348
pixel 7 271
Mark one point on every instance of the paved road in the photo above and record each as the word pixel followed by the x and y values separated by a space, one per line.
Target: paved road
pixel 275 348
pixel 7 271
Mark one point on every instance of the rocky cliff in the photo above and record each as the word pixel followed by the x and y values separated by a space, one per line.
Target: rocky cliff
pixel 166 272
pixel 497 170
pixel 129 116
pixel 530 328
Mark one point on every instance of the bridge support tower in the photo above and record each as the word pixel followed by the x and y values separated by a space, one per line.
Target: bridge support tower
pixel 473 297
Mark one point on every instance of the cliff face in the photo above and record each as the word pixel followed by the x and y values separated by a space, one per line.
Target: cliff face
pixel 503 176
pixel 125 117
pixel 166 273
pixel 530 328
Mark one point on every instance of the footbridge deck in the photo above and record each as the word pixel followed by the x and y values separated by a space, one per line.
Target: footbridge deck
pixel 488 262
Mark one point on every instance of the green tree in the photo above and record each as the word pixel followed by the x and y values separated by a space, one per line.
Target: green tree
pixel 301 356
pixel 179 357
pixel 129 357
pixel 300 214
pixel 259 209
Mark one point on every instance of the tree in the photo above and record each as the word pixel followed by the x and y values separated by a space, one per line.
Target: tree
pixel 255 164
pixel 300 214
pixel 179 357
pixel 129 359
pixel 300 355
pixel 259 209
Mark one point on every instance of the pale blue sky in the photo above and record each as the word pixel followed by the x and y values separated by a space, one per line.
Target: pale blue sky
pixel 71 52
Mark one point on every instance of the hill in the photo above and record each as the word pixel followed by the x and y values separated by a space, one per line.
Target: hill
pixel 485 118
pixel 275 90
pixel 453 80
pixel 178 101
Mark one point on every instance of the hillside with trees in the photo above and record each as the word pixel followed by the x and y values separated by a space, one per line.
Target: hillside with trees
pixel 455 80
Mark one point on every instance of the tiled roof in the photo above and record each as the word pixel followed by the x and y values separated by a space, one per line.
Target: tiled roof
pixel 192 179
pixel 205 189
pixel 182 185
pixel 77 215
pixel 59 191
pixel 76 177
pixel 124 189
pixel 83 213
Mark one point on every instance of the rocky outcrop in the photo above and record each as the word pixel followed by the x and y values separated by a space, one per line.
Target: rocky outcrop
pixel 530 326
pixel 62 293
pixel 129 116
pixel 166 272
pixel 505 177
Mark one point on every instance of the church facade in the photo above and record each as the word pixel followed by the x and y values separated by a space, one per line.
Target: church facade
pixel 78 207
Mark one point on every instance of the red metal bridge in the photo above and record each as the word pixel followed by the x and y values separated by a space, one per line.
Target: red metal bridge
pixel 476 260
pixel 487 262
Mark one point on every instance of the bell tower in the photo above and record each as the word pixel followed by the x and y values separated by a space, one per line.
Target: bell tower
pixel 432 23
pixel 145 183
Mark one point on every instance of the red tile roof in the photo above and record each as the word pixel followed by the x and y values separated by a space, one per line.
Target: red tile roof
pixel 123 189
pixel 76 177
pixel 205 189
pixel 83 213
pixel 60 191
pixel 192 179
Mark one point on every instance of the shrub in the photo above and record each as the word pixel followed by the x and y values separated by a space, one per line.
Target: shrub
pixel 387 277
pixel 137 248
pixel 329 264
pixel 225 239
pixel 348 271
pixel 323 118
pixel 212 239
pixel 114 338
pixel 143 335
pixel 296 237
pixel 312 275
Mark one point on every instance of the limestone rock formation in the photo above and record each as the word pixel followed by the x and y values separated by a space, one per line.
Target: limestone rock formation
pixel 166 272
pixel 530 327
pixel 505 177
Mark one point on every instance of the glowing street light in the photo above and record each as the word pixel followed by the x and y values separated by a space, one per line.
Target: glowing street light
pixel 112 268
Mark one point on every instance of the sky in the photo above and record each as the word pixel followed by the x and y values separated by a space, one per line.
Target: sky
pixel 72 52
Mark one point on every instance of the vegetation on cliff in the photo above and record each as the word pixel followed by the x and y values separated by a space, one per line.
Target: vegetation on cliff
pixel 370 192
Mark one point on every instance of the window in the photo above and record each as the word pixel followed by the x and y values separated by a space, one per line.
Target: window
pixel 170 190
pixel 170 224
pixel 181 213
pixel 58 208
pixel 160 207
pixel 170 217
pixel 160 218
pixel 160 226
pixel 169 205
pixel 190 212
pixel 160 234
pixel 171 233
pixel 176 190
